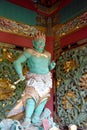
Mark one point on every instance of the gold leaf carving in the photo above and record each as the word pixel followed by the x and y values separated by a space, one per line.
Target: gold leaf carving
pixel 69 65
pixel 6 89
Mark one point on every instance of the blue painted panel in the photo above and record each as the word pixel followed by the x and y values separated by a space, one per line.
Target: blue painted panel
pixel 75 8
pixel 17 13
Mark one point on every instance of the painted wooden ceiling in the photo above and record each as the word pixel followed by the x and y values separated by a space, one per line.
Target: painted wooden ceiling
pixel 43 7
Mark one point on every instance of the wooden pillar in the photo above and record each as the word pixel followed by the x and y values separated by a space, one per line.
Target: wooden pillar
pixel 49 47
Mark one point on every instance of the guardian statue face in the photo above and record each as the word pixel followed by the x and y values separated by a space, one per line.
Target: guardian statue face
pixel 39 45
pixel 39 42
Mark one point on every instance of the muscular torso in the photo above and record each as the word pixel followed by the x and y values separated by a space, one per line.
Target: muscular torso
pixel 38 62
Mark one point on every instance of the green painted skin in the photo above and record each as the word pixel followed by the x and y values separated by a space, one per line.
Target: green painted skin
pixel 39 62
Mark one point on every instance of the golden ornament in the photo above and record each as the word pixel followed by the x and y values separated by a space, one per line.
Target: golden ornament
pixel 83 81
pixel 6 89
pixel 70 94
pixel 69 65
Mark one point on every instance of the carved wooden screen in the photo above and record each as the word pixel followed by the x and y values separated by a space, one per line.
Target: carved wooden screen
pixel 71 87
pixel 9 93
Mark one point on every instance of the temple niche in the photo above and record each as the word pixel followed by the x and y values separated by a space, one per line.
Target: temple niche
pixel 65 26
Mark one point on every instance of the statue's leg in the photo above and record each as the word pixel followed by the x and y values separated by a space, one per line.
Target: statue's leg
pixel 36 118
pixel 29 109
pixel 2 127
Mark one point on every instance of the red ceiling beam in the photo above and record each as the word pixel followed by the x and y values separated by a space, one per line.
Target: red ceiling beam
pixel 62 4
pixel 32 6
pixel 24 3
pixel 74 37
pixel 15 39
pixel 23 41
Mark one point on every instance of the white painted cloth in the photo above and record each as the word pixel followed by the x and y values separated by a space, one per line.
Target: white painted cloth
pixel 41 82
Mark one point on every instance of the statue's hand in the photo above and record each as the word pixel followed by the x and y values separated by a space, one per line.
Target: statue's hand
pixel 21 77
pixel 52 65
